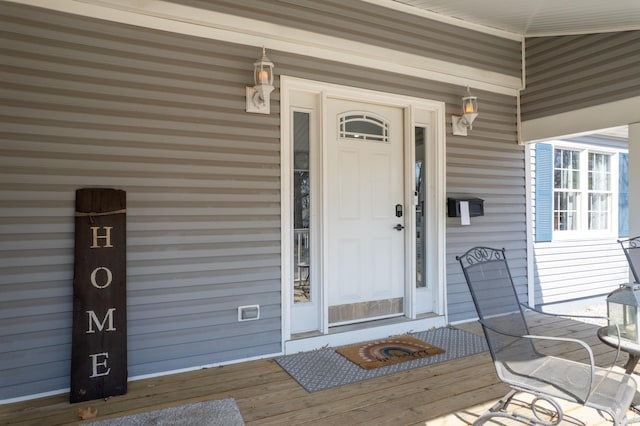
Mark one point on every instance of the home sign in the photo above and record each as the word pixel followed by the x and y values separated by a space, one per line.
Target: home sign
pixel 99 343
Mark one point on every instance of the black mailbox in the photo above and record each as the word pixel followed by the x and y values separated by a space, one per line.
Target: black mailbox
pixel 476 206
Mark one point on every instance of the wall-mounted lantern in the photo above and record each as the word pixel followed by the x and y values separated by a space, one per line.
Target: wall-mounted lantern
pixel 258 96
pixel 460 124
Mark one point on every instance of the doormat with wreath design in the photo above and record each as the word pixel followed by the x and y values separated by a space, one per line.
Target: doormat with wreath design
pixel 388 351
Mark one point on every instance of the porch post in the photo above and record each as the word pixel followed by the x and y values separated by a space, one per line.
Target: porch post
pixel 634 179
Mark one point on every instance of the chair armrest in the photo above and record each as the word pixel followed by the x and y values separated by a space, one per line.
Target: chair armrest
pixel 538 337
pixel 568 340
pixel 610 322
pixel 530 308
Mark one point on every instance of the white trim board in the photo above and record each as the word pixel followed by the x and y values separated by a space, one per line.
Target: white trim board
pixel 612 114
pixel 634 177
pixel 391 4
pixel 167 16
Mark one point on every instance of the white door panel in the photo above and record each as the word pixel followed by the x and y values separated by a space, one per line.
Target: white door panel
pixel 365 183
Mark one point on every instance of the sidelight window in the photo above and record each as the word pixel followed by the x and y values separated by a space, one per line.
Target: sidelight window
pixel 301 208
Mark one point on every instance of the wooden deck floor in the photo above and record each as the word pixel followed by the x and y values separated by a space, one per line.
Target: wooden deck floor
pixel 450 393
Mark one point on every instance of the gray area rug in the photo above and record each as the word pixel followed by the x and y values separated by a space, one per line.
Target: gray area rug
pixel 325 368
pixel 222 412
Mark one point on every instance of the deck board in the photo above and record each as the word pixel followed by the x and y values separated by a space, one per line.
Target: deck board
pixel 449 393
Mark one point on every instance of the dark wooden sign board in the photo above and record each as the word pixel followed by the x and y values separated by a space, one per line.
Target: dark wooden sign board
pixel 99 345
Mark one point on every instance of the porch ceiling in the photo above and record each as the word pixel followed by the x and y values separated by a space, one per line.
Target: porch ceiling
pixel 539 17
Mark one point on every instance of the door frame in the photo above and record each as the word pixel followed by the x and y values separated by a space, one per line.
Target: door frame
pixel 417 112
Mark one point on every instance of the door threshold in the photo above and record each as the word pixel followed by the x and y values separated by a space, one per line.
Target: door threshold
pixel 361 332
pixel 363 325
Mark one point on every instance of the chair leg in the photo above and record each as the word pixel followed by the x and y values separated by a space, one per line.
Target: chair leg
pixel 499 409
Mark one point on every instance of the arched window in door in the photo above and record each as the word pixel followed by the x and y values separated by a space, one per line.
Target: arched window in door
pixel 363 126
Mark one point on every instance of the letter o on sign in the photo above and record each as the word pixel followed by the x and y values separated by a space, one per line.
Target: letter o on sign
pixel 109 277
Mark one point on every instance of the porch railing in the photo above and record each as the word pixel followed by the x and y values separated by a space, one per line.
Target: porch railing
pixel 301 269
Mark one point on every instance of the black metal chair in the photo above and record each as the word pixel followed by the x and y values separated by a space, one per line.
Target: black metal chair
pixel 631 249
pixel 521 363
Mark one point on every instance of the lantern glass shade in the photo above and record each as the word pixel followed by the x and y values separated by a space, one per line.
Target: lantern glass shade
pixel 469 104
pixel 461 123
pixel 469 109
pixel 622 310
pixel 258 96
pixel 263 71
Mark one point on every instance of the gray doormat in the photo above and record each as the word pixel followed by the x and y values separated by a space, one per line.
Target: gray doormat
pixel 222 412
pixel 325 368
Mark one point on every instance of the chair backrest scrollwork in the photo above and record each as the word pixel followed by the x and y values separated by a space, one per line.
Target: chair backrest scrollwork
pixel 497 303
pixel 631 249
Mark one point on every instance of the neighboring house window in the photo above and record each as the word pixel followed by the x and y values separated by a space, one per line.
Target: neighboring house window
pixel 581 177
pixel 576 192
pixel 566 189
pixel 599 193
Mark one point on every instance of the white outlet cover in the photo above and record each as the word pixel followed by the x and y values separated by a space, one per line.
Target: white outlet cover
pixel 248 313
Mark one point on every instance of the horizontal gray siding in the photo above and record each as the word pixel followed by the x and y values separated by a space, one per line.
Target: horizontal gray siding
pixel 572 72
pixel 488 164
pixel 94 104
pixel 381 26
pixel 161 116
pixel 569 270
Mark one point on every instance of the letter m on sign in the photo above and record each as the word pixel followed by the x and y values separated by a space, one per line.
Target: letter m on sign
pixel 99 344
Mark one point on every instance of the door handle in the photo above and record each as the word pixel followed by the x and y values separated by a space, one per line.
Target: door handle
pixel 398 227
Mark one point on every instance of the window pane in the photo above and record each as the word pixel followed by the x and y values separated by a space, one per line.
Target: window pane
pixel 598 211
pixel 598 221
pixel 575 159
pixel 565 211
pixel 599 186
pixel 566 173
pixel 364 127
pixel 301 208
pixel 300 141
pixel 574 181
pixel 301 202
pixel 557 178
pixel 599 172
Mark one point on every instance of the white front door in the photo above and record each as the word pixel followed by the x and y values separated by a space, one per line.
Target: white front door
pixel 364 211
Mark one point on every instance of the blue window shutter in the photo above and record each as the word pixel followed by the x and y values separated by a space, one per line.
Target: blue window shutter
pixel 623 196
pixel 544 192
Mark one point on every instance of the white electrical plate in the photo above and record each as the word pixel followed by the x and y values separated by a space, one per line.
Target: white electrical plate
pixel 248 313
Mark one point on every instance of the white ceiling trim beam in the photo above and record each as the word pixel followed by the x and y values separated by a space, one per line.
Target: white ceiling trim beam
pixel 536 18
pixel 612 114
pixel 401 7
pixel 166 16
